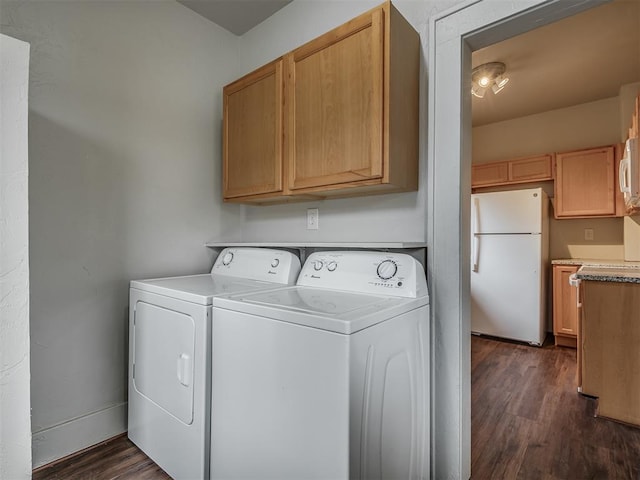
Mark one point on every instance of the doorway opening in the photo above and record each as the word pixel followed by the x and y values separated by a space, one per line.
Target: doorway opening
pixel 455 34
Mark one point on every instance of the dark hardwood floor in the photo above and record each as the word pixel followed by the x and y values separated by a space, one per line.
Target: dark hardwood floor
pixel 117 458
pixel 528 422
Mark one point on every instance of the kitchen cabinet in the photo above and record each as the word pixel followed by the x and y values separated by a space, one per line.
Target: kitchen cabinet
pixel 565 306
pixel 610 339
pixel 586 183
pixel 339 116
pixel 252 132
pixel 538 168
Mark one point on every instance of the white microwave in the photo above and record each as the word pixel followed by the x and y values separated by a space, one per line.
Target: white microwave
pixel 629 173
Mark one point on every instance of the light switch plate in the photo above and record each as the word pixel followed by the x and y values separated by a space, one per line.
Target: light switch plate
pixel 313 217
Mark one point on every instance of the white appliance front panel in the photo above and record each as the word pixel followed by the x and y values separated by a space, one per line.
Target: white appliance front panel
pixel 506 297
pixel 292 402
pixel 159 428
pixel 518 211
pixel 163 356
pixel 280 400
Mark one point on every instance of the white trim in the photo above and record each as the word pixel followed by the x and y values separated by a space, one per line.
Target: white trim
pixel 453 34
pixel 69 437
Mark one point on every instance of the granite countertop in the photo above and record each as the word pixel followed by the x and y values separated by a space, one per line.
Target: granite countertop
pixel 607 274
pixel 594 262
pixel 604 270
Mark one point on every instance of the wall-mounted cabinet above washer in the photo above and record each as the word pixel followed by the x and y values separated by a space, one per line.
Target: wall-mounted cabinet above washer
pixel 336 117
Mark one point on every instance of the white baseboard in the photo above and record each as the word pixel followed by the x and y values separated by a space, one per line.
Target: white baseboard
pixel 69 437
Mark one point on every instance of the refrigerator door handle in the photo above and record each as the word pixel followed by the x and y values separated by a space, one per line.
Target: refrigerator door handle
pixel 475 241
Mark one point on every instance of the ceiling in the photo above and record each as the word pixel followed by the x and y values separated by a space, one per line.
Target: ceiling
pixel 577 60
pixel 580 59
pixel 237 16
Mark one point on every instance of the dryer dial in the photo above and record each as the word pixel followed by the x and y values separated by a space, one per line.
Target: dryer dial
pixel 227 259
pixel 387 269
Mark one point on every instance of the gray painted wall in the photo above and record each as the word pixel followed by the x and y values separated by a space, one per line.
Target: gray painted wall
pixel 125 121
pixel 15 422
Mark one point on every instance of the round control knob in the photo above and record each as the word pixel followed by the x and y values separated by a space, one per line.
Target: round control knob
pixel 387 269
pixel 331 266
pixel 317 265
pixel 228 257
pixel 275 262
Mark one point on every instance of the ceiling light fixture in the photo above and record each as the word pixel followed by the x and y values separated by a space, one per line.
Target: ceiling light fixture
pixel 488 75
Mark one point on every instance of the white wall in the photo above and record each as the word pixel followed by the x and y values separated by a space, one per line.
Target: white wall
pixel 15 422
pixel 581 126
pixel 125 122
pixel 393 217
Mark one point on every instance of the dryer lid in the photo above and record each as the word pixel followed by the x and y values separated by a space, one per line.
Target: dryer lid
pixel 200 289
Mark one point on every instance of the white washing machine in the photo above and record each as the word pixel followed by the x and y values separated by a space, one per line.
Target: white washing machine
pixel 170 354
pixel 328 379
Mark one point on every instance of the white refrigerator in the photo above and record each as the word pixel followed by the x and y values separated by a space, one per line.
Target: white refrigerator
pixel 509 258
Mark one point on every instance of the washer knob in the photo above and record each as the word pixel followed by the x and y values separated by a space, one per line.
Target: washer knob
pixel 387 269
pixel 228 257
pixel 331 266
pixel 275 262
pixel 317 265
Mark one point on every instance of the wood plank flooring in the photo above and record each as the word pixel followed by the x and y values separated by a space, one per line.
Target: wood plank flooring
pixel 528 422
pixel 117 458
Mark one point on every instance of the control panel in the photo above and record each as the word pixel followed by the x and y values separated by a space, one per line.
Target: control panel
pixel 266 264
pixel 396 274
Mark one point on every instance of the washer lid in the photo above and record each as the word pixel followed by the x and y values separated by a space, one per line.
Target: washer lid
pixel 332 310
pixel 200 289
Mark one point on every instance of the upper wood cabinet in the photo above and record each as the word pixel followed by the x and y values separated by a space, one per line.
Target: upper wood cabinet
pixel 523 170
pixel 252 133
pixel 585 183
pixel 350 119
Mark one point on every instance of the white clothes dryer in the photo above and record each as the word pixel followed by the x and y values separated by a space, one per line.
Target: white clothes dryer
pixel 170 354
pixel 328 379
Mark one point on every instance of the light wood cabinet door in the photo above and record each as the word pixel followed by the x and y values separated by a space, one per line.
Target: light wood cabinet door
pixel 531 169
pixel 252 130
pixel 524 170
pixel 585 183
pixel 335 96
pixel 565 306
pixel 488 174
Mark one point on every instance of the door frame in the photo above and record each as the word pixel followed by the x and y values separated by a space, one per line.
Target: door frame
pixel 453 35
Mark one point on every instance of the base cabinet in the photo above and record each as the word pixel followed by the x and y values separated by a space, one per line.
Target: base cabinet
pixel 610 340
pixel 565 306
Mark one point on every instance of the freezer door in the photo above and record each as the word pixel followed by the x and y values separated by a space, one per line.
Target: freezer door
pixel 506 297
pixel 517 211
